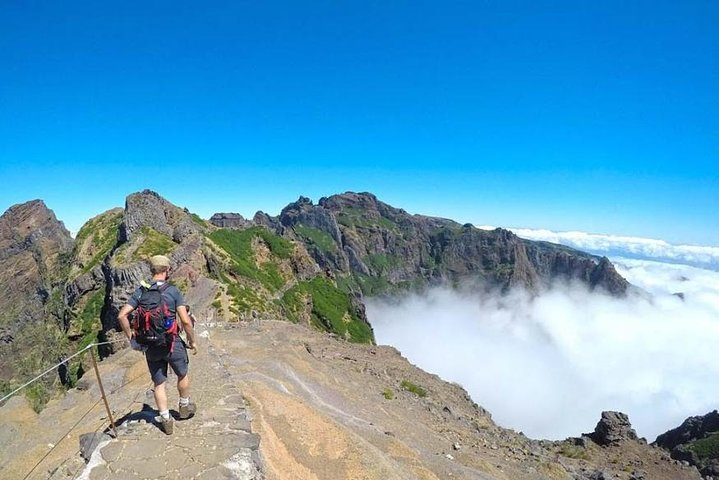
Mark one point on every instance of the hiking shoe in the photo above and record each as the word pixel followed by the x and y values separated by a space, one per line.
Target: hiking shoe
pixel 166 424
pixel 187 411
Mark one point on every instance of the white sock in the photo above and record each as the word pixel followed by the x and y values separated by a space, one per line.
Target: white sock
pixel 165 414
pixel 184 401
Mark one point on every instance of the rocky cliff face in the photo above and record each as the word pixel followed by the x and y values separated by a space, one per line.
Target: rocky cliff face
pixel 695 441
pixel 377 249
pixel 34 251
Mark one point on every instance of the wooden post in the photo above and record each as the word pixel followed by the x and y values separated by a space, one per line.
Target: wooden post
pixel 102 392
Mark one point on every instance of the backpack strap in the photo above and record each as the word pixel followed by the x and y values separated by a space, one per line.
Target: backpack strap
pixel 172 332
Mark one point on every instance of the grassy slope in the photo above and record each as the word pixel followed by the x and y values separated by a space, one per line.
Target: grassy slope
pixel 252 284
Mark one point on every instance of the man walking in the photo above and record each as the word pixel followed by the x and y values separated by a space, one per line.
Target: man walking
pixel 164 346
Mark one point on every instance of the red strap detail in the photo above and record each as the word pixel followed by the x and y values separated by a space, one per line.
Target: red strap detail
pixel 147 320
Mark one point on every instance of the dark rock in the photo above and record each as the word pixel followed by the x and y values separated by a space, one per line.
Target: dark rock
pixel 90 441
pixel 613 429
pixel 693 428
pixel 272 223
pixel 678 441
pixel 230 220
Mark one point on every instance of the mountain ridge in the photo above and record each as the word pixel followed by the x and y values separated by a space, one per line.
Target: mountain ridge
pixel 311 265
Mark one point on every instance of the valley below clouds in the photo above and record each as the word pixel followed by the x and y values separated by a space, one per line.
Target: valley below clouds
pixel 548 365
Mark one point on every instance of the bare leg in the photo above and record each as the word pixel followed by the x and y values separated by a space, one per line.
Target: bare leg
pixel 161 397
pixel 183 386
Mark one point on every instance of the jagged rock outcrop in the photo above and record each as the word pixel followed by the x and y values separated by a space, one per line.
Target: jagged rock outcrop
pixel 613 429
pixel 148 209
pixel 230 220
pixel 34 251
pixel 305 220
pixel 695 441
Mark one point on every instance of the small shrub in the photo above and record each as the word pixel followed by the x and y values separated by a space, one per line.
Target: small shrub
pixel 388 394
pixel 571 451
pixel 414 388
pixel 38 395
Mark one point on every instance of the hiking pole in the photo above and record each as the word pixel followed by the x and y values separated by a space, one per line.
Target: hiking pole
pixel 102 392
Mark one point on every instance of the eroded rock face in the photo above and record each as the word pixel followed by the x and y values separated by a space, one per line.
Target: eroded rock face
pixel 34 247
pixel 356 234
pixel 613 429
pixel 230 220
pixel 682 442
pixel 149 209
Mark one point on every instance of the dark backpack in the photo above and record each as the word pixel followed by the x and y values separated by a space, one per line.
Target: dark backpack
pixel 154 324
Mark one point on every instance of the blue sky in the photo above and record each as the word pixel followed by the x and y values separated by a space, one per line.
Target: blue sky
pixel 576 115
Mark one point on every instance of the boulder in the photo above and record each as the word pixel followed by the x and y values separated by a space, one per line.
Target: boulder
pixel 613 429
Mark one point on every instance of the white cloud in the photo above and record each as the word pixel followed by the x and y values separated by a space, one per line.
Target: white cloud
pixel 636 247
pixel 549 365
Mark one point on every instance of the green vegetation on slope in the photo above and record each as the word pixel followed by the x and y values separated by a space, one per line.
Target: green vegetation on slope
pixel 382 263
pixel 316 237
pixel 238 244
pixel 706 448
pixel 331 309
pixel 413 388
pixel 101 232
pixel 198 220
pixel 372 286
pixel 39 346
pixel 154 243
pixel 356 217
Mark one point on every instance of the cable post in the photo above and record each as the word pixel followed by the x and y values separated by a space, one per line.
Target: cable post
pixel 102 392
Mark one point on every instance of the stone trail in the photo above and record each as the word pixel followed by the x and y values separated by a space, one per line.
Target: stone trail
pixel 217 443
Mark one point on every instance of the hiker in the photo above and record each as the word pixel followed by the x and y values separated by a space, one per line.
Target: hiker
pixel 155 330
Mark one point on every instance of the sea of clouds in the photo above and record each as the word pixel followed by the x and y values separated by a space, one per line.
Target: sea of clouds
pixel 548 365
pixel 630 247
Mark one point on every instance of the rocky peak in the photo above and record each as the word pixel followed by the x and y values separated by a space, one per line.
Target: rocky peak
pixel 363 200
pixel 613 429
pixel 304 212
pixel 605 276
pixel 230 220
pixel 24 224
pixel 149 209
pixel 695 441
pixel 691 429
pixel 34 246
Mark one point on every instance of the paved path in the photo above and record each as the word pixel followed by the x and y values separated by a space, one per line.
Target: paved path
pixel 217 443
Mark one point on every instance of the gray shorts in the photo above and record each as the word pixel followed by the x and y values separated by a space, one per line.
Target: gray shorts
pixel 159 358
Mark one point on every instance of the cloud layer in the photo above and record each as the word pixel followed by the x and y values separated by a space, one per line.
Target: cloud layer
pixel 633 247
pixel 549 365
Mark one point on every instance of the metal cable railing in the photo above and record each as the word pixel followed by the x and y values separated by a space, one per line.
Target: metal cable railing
pixel 57 365
pixel 94 405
